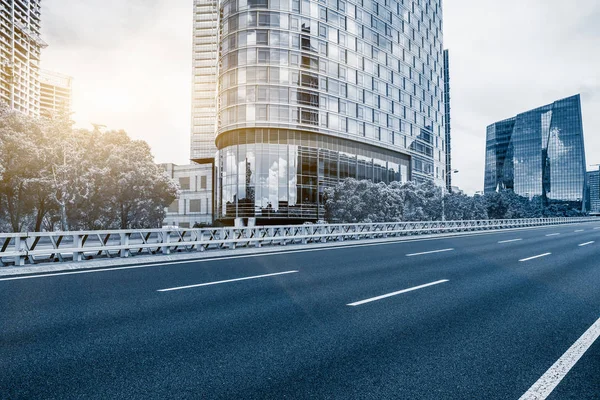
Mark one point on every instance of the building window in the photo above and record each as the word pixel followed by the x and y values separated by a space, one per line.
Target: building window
pixel 203 182
pixel 184 224
pixel 184 183
pixel 195 205
pixel 174 207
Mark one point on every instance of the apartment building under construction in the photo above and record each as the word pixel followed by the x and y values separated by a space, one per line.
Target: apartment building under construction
pixel 20 48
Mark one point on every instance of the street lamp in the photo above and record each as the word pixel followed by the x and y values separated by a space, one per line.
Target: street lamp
pixel 454 171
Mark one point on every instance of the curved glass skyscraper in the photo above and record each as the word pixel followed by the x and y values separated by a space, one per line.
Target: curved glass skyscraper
pixel 313 92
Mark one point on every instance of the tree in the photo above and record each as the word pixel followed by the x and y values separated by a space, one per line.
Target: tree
pixel 457 207
pixel 363 201
pixel 477 209
pixel 353 201
pixel 53 174
pixel 137 189
pixel 345 202
pixel 20 165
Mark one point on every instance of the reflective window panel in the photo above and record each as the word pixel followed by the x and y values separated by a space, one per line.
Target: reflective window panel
pixel 282 174
pixel 539 153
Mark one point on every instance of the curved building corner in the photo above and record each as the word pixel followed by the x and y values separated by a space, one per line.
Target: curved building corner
pixel 311 93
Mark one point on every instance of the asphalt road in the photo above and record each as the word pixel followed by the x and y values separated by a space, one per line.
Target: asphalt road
pixel 475 323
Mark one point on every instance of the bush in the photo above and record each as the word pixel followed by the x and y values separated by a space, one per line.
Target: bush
pixel 353 201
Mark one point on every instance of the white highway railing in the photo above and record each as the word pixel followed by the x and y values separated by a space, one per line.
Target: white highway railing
pixel 41 247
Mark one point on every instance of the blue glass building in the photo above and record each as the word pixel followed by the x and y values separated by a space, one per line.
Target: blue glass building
pixel 593 192
pixel 315 91
pixel 539 153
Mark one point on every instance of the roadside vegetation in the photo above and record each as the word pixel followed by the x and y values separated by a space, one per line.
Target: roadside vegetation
pixel 354 201
pixel 53 176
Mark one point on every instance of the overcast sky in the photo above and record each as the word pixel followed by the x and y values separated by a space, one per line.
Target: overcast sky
pixel 131 61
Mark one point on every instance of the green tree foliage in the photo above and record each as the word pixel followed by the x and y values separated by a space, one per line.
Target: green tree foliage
pixel 54 176
pixel 460 207
pixel 353 201
pixel 21 164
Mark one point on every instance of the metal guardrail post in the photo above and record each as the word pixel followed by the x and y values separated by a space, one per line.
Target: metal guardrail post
pixel 78 244
pixel 20 248
pixel 231 234
pixel 124 252
pixel 166 240
pixel 200 238
pixel 256 234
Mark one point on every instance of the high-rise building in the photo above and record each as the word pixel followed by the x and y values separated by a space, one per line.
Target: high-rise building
pixel 447 129
pixel 593 192
pixel 539 153
pixel 313 92
pixel 55 93
pixel 20 47
pixel 204 86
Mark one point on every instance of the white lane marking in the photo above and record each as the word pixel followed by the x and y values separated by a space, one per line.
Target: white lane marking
pixel 579 230
pixel 429 252
pixel 201 260
pixel 597 228
pixel 555 374
pixel 225 281
pixel 553 234
pixel 277 253
pixel 585 244
pixel 358 303
pixel 534 257
pixel 510 241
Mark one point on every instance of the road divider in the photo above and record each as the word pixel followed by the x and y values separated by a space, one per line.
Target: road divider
pixel 385 296
pixel 81 246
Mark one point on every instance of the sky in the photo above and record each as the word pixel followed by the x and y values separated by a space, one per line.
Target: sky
pixel 131 64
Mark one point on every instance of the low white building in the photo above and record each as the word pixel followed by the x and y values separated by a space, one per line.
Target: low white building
pixel 195 202
pixel 457 190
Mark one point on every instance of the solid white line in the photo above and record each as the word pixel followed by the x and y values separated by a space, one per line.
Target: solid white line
pixel 510 241
pixel 579 230
pixel 429 252
pixel 553 234
pixel 534 257
pixel 225 281
pixel 585 244
pixel 358 303
pixel 276 253
pixel 555 374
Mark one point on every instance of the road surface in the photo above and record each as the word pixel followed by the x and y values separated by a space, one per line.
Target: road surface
pixel 491 316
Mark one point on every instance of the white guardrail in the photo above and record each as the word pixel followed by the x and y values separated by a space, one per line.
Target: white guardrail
pixel 41 247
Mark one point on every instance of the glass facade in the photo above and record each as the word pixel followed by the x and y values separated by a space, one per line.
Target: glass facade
pixel 593 192
pixel 539 153
pixel 281 174
pixel 204 92
pixel 364 74
pixel 447 128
